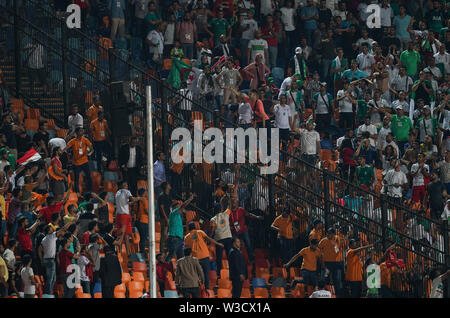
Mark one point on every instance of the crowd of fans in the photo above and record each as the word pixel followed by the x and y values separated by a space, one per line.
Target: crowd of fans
pixel 368 104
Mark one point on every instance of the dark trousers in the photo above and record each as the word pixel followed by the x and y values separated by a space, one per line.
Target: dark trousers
pixel 190 292
pixel 131 176
pixel 236 287
pixel 219 252
pixel 175 245
pixel 345 120
pixel 336 272
pixel 108 291
pixel 248 246
pixel 323 122
pixel 95 279
pixel 143 234
pixel 204 263
pixel 101 148
pixel 386 292
pixel 87 175
pixel 286 248
pixel 176 184
pixel 355 289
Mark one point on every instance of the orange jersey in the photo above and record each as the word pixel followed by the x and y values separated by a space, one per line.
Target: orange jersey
pixel 285 225
pixel 310 258
pixel 142 213
pixel 196 240
pixel 99 129
pixel 354 269
pixel 92 112
pixel 330 249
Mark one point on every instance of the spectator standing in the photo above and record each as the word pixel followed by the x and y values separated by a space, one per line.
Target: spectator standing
pixel 101 133
pixel 131 160
pixel 189 275
pixel 117 13
pixel 238 268
pixel 110 272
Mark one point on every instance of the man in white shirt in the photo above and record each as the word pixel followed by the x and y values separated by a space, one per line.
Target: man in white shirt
pixel 75 119
pixel 377 106
pixel 159 171
pixel 419 171
pixel 123 217
pixel 346 98
pixel 310 142
pixel 322 292
pixel 386 14
pixel 402 82
pixel 249 25
pixel 155 41
pixel 442 57
pixel 370 128
pixel 395 180
pixel 47 254
pixel 437 285
pixel 365 59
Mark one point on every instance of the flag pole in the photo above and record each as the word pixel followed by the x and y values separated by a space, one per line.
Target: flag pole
pixel 151 205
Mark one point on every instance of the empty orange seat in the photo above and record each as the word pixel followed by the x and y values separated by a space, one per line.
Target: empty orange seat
pixel 136 293
pixel 119 295
pixel 17 103
pixel 31 124
pixel 225 284
pixel 62 133
pixel 261 293
pixel 120 288
pixel 212 279
pixel 126 278
pixel 98 295
pixel 50 123
pixel 224 273
pixel 245 293
pixel 167 65
pixel 139 267
pixel 84 295
pixel 138 277
pixel 278 292
pixel 136 285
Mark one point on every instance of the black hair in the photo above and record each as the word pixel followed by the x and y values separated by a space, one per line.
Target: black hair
pixel 26 259
pixel 92 225
pixel 89 207
pixel 187 251
pixel 11 243
pixel 321 284
pixel 55 216
pixel 71 229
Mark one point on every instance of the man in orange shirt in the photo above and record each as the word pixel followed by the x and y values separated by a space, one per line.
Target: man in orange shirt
pixel 283 224
pixel 81 149
pixel 196 239
pixel 353 274
pixel 142 219
pixel 331 248
pixel 311 255
pixel 100 134
pixel 92 112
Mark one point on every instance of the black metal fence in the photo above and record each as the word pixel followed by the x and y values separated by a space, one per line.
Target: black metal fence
pixel 315 193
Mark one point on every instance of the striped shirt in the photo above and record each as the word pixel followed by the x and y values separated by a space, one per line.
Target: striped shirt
pixel 35 60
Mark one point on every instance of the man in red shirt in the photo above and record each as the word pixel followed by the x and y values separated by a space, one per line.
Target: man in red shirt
pixel 52 207
pixel 161 271
pixel 92 229
pixel 66 267
pixel 24 235
pixel 238 226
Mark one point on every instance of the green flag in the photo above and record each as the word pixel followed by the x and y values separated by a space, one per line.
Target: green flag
pixel 179 72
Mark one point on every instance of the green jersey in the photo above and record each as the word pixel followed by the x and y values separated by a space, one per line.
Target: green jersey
pixel 400 127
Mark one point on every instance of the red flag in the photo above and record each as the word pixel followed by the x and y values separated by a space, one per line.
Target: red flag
pixel 31 156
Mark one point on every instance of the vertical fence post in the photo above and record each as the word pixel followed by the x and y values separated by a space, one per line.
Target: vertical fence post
pixel 384 221
pixel 17 57
pixel 164 116
pixel 326 198
pixel 64 68
pixel 111 64
pixel 446 251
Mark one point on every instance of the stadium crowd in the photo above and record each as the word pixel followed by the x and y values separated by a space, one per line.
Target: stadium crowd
pixel 372 105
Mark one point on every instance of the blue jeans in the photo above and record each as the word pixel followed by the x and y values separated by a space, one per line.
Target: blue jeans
pixel 310 277
pixel 50 274
pixel 286 247
pixel 175 246
pixel 143 234
pixel 87 175
pixel 336 271
pixel 246 238
pixel 273 55
pixel 204 263
pixel 188 50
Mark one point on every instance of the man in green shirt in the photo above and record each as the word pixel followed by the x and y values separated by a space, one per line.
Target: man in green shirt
pixel 365 174
pixel 435 18
pixel 219 26
pixel 175 239
pixel 400 127
pixel 152 19
pixel 426 125
pixel 410 59
pixel 362 107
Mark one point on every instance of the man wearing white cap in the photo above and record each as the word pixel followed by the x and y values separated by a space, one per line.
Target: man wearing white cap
pixel 297 64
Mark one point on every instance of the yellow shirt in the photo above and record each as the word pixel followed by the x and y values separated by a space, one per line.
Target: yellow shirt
pixel 68 219
pixel 3 269
pixel 3 207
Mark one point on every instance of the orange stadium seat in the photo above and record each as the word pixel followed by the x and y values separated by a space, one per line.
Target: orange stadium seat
pixel 31 124
pixel 261 292
pixel 224 293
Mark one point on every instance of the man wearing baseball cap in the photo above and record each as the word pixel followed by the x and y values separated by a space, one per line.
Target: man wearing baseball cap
pixel 354 272
pixel 297 64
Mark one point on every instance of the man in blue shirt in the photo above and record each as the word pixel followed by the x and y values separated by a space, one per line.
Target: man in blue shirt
pixel 353 73
pixel 367 151
pixel 159 171
pixel 116 10
pixel 309 15
pixel 175 240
